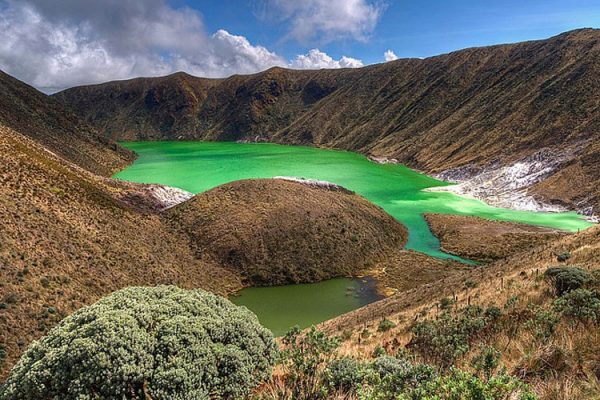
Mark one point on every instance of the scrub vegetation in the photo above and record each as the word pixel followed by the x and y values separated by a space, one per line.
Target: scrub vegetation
pixel 277 232
pixel 147 343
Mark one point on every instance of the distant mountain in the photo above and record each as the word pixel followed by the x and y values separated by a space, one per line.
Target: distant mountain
pixel 48 123
pixel 475 110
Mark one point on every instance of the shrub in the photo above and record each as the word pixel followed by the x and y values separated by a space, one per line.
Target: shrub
pixel 385 325
pixel 543 322
pixel 565 279
pixel 446 303
pixel 463 385
pixel 562 257
pixel 449 337
pixel 486 361
pixel 581 304
pixel 395 375
pixel 399 379
pixel 2 354
pixel 470 284
pixel 378 352
pixel 344 374
pixel 160 343
pixel 303 358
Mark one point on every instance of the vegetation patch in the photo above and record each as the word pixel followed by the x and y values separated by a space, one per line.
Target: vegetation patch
pixel 147 343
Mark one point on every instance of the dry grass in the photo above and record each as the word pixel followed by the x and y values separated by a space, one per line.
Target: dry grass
pixel 277 232
pixel 562 367
pixel 484 240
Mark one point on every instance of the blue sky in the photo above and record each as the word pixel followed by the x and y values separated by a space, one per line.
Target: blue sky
pixel 62 43
pixel 413 28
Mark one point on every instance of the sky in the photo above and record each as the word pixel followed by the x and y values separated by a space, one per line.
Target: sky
pixel 56 44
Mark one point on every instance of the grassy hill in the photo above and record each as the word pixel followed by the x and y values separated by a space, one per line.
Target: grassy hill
pixel 557 354
pixel 70 237
pixel 471 109
pixel 278 232
pixel 47 122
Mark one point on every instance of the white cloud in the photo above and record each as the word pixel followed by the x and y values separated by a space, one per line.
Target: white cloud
pixel 85 42
pixel 389 55
pixel 122 39
pixel 316 59
pixel 326 20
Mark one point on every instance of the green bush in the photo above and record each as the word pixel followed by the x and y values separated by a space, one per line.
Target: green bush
pixel 344 374
pixel 141 343
pixel 303 357
pixel 486 361
pixel 463 385
pixel 378 351
pixel 449 337
pixel 399 379
pixel 562 257
pixel 446 303
pixel 565 279
pixel 395 375
pixel 581 304
pixel 543 322
pixel 385 325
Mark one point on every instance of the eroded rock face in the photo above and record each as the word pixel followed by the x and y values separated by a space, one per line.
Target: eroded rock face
pixel 508 185
pixel 168 196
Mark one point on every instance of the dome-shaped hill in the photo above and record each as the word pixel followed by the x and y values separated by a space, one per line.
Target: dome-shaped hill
pixel 276 231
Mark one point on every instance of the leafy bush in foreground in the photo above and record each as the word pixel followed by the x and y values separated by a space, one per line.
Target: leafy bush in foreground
pixel 454 385
pixel 582 305
pixel 565 279
pixel 344 373
pixel 141 343
pixel 312 370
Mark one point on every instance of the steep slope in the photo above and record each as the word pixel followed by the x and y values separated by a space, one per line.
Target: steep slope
pixel 559 359
pixel 462 113
pixel 278 232
pixel 69 237
pixel 46 121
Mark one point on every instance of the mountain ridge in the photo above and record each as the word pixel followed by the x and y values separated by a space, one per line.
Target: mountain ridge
pixel 473 110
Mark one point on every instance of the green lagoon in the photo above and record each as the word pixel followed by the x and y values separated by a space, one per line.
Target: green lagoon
pixel 281 307
pixel 200 166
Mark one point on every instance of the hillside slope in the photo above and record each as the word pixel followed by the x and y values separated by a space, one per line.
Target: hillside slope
pixel 46 121
pixel 531 106
pixel 279 232
pixel 559 359
pixel 70 237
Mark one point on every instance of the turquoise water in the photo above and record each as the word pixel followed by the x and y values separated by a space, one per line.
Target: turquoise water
pixel 200 166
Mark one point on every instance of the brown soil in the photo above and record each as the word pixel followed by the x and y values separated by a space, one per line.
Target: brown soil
pixel 479 239
pixel 277 232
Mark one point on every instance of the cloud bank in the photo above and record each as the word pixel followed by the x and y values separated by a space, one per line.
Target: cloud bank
pixel 85 42
pixel 316 59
